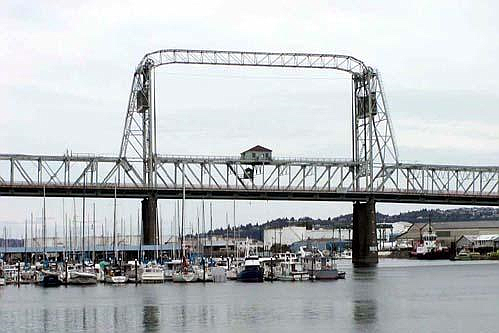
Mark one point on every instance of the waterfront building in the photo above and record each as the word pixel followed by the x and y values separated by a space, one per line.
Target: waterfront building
pixel 478 242
pixel 295 234
pixel 448 232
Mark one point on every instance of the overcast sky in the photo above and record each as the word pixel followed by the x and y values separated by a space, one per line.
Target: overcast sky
pixel 67 69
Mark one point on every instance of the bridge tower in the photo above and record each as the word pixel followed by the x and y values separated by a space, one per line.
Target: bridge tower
pixel 139 145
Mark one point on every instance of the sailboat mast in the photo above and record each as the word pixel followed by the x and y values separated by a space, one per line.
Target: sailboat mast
pixel 71 244
pixel 140 235
pixel 183 211
pixel 44 224
pixel 31 233
pixel 211 230
pixel 64 230
pixel 174 232
pixel 227 237
pixel 25 239
pixel 83 224
pixel 204 229
pixel 234 216
pixel 114 224
pixel 199 245
pixel 160 236
pixel 93 226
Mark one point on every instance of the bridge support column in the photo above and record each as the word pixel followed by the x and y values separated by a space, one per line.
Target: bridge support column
pixel 364 242
pixel 149 207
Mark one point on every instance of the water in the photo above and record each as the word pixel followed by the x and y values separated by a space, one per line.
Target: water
pixel 397 296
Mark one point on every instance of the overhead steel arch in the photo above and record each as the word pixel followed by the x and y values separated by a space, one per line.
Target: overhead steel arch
pixel 373 143
pixel 266 59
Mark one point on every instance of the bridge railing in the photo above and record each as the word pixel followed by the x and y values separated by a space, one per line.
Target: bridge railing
pixel 230 173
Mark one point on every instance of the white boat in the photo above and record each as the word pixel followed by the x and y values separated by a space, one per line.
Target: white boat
pixel 153 273
pixel 115 275
pixel 171 267
pixel 345 254
pixel 319 266
pixel 2 278
pixel 205 276
pixel 130 271
pixel 185 274
pixel 81 277
pixel 290 268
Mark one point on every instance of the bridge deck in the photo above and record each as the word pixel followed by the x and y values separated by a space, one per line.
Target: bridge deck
pixel 247 194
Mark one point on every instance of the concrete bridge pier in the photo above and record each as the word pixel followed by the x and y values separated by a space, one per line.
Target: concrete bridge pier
pixel 149 230
pixel 364 241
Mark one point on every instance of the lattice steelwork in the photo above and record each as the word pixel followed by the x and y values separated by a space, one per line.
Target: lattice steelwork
pixel 373 172
pixel 231 177
pixel 372 138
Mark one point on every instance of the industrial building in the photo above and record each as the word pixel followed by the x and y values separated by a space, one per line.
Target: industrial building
pixel 448 232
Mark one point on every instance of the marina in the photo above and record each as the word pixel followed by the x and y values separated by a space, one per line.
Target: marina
pixel 366 301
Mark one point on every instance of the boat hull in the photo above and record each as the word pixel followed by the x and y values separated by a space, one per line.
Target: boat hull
pixel 78 278
pixel 50 281
pixel 433 255
pixel 115 279
pixel 184 277
pixel 250 276
pixel 329 274
pixel 153 277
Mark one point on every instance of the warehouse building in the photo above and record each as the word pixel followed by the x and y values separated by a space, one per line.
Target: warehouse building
pixel 448 232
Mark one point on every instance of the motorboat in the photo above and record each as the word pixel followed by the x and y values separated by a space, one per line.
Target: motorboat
pixel 234 269
pixel 290 269
pixel 153 273
pixel 345 254
pixel 252 271
pixel 170 267
pixel 204 274
pixel 134 271
pixel 114 274
pixel 319 266
pixel 50 279
pixel 81 278
pixel 186 274
pixel 2 278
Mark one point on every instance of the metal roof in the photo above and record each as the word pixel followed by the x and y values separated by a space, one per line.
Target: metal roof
pixel 258 148
pixel 465 224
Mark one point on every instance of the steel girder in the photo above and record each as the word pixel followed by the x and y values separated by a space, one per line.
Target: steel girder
pixel 231 177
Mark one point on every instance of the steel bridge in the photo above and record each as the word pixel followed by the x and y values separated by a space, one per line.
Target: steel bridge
pixel 372 173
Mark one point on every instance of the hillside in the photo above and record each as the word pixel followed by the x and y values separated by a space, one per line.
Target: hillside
pixel 437 215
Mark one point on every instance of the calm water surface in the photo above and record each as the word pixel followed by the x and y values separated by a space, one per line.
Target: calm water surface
pixel 397 296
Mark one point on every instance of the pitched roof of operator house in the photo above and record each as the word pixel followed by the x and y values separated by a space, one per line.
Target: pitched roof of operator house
pixel 258 148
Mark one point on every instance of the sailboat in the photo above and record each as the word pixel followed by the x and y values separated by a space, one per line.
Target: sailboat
pixel 114 273
pixel 186 272
pixel 82 275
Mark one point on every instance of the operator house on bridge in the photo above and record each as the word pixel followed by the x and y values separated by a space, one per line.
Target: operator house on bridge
pixel 257 154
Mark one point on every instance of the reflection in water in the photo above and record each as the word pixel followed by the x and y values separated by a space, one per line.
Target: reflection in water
pixel 385 299
pixel 150 318
pixel 364 273
pixel 364 295
pixel 45 320
pixel 364 311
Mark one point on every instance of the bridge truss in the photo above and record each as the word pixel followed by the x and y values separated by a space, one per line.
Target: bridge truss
pixel 373 171
pixel 229 178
